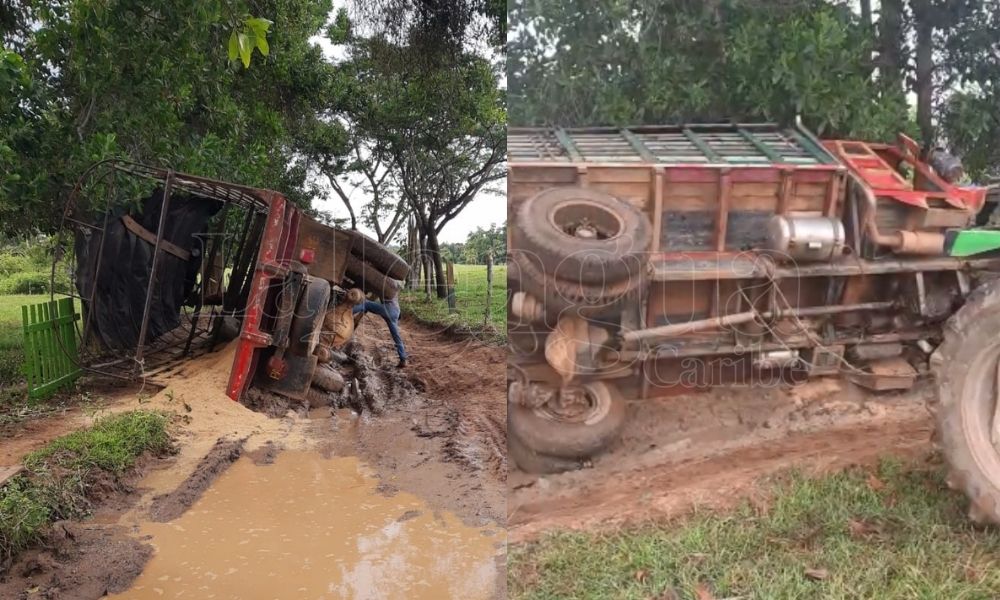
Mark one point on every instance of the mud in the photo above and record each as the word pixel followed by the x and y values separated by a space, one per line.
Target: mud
pixel 441 478
pixel 168 507
pixel 78 562
pixel 85 560
pixel 714 449
pixel 373 383
pixel 316 527
pixel 264 455
pixel 272 405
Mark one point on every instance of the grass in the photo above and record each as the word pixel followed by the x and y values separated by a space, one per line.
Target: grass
pixel 112 444
pixel 12 388
pixel 59 477
pixel 897 532
pixel 470 300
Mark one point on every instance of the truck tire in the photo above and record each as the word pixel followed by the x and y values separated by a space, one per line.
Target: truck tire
pixel 966 369
pixel 384 260
pixel 537 464
pixel 559 296
pixel 328 379
pixel 543 432
pixel 307 322
pixel 369 279
pixel 623 235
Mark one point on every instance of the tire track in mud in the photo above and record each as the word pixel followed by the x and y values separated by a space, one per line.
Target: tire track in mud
pixel 716 466
pixel 464 385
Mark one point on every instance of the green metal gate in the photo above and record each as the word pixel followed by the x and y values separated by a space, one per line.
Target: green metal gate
pixel 50 356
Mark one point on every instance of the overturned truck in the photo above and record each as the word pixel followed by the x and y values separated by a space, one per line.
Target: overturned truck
pixel 651 259
pixel 169 265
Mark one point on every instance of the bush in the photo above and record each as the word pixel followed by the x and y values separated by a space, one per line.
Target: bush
pixel 11 263
pixel 31 282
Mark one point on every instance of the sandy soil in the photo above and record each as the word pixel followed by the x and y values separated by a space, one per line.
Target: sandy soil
pixel 442 439
pixel 716 448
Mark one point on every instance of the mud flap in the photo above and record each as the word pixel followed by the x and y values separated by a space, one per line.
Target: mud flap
pixel 297 377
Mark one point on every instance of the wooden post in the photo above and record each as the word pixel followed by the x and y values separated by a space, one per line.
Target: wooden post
pixel 450 276
pixel 489 288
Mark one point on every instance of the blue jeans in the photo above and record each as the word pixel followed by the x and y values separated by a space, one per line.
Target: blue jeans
pixel 389 314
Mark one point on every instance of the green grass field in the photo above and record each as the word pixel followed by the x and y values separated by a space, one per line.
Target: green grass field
pixel 894 532
pixel 470 300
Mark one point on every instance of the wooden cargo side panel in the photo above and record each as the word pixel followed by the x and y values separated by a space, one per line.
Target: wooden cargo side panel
pixel 629 184
pixel 525 182
pixel 689 220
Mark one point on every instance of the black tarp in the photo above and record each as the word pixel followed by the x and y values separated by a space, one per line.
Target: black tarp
pixel 123 274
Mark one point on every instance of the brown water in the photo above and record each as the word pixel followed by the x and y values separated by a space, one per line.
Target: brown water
pixel 310 527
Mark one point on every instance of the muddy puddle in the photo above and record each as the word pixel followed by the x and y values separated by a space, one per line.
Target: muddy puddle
pixel 306 526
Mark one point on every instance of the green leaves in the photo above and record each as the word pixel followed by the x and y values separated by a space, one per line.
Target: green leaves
pixel 339 31
pixel 253 34
pixel 234 48
pixel 154 82
pixel 654 61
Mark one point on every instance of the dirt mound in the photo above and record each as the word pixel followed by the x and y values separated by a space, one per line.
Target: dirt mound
pixel 170 506
pixel 78 562
pixel 713 449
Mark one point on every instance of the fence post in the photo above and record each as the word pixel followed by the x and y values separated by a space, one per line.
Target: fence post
pixel 489 289
pixel 450 276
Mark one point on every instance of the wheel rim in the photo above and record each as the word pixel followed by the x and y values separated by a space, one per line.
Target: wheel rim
pixel 595 407
pixel 979 397
pixel 573 218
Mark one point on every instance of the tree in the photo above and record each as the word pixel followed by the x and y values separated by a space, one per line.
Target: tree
pixel 969 53
pixel 153 82
pixel 491 241
pixel 442 123
pixel 654 61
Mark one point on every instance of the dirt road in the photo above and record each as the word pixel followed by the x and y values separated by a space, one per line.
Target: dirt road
pixel 715 449
pixel 423 479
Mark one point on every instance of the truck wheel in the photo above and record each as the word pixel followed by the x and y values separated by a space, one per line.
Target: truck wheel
pixel 369 278
pixel 384 260
pixel 572 433
pixel 968 375
pixel 532 462
pixel 582 234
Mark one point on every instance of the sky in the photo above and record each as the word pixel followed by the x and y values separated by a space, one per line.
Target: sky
pixel 486 209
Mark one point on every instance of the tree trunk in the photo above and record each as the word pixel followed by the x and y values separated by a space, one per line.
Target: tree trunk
pixel 434 250
pixel 890 46
pixel 923 16
pixel 866 13
pixel 415 253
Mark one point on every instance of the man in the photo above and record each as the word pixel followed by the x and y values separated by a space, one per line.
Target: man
pixel 388 309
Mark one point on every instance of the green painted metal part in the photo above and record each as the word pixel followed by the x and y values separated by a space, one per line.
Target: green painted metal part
pixel 974 241
pixel 50 352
